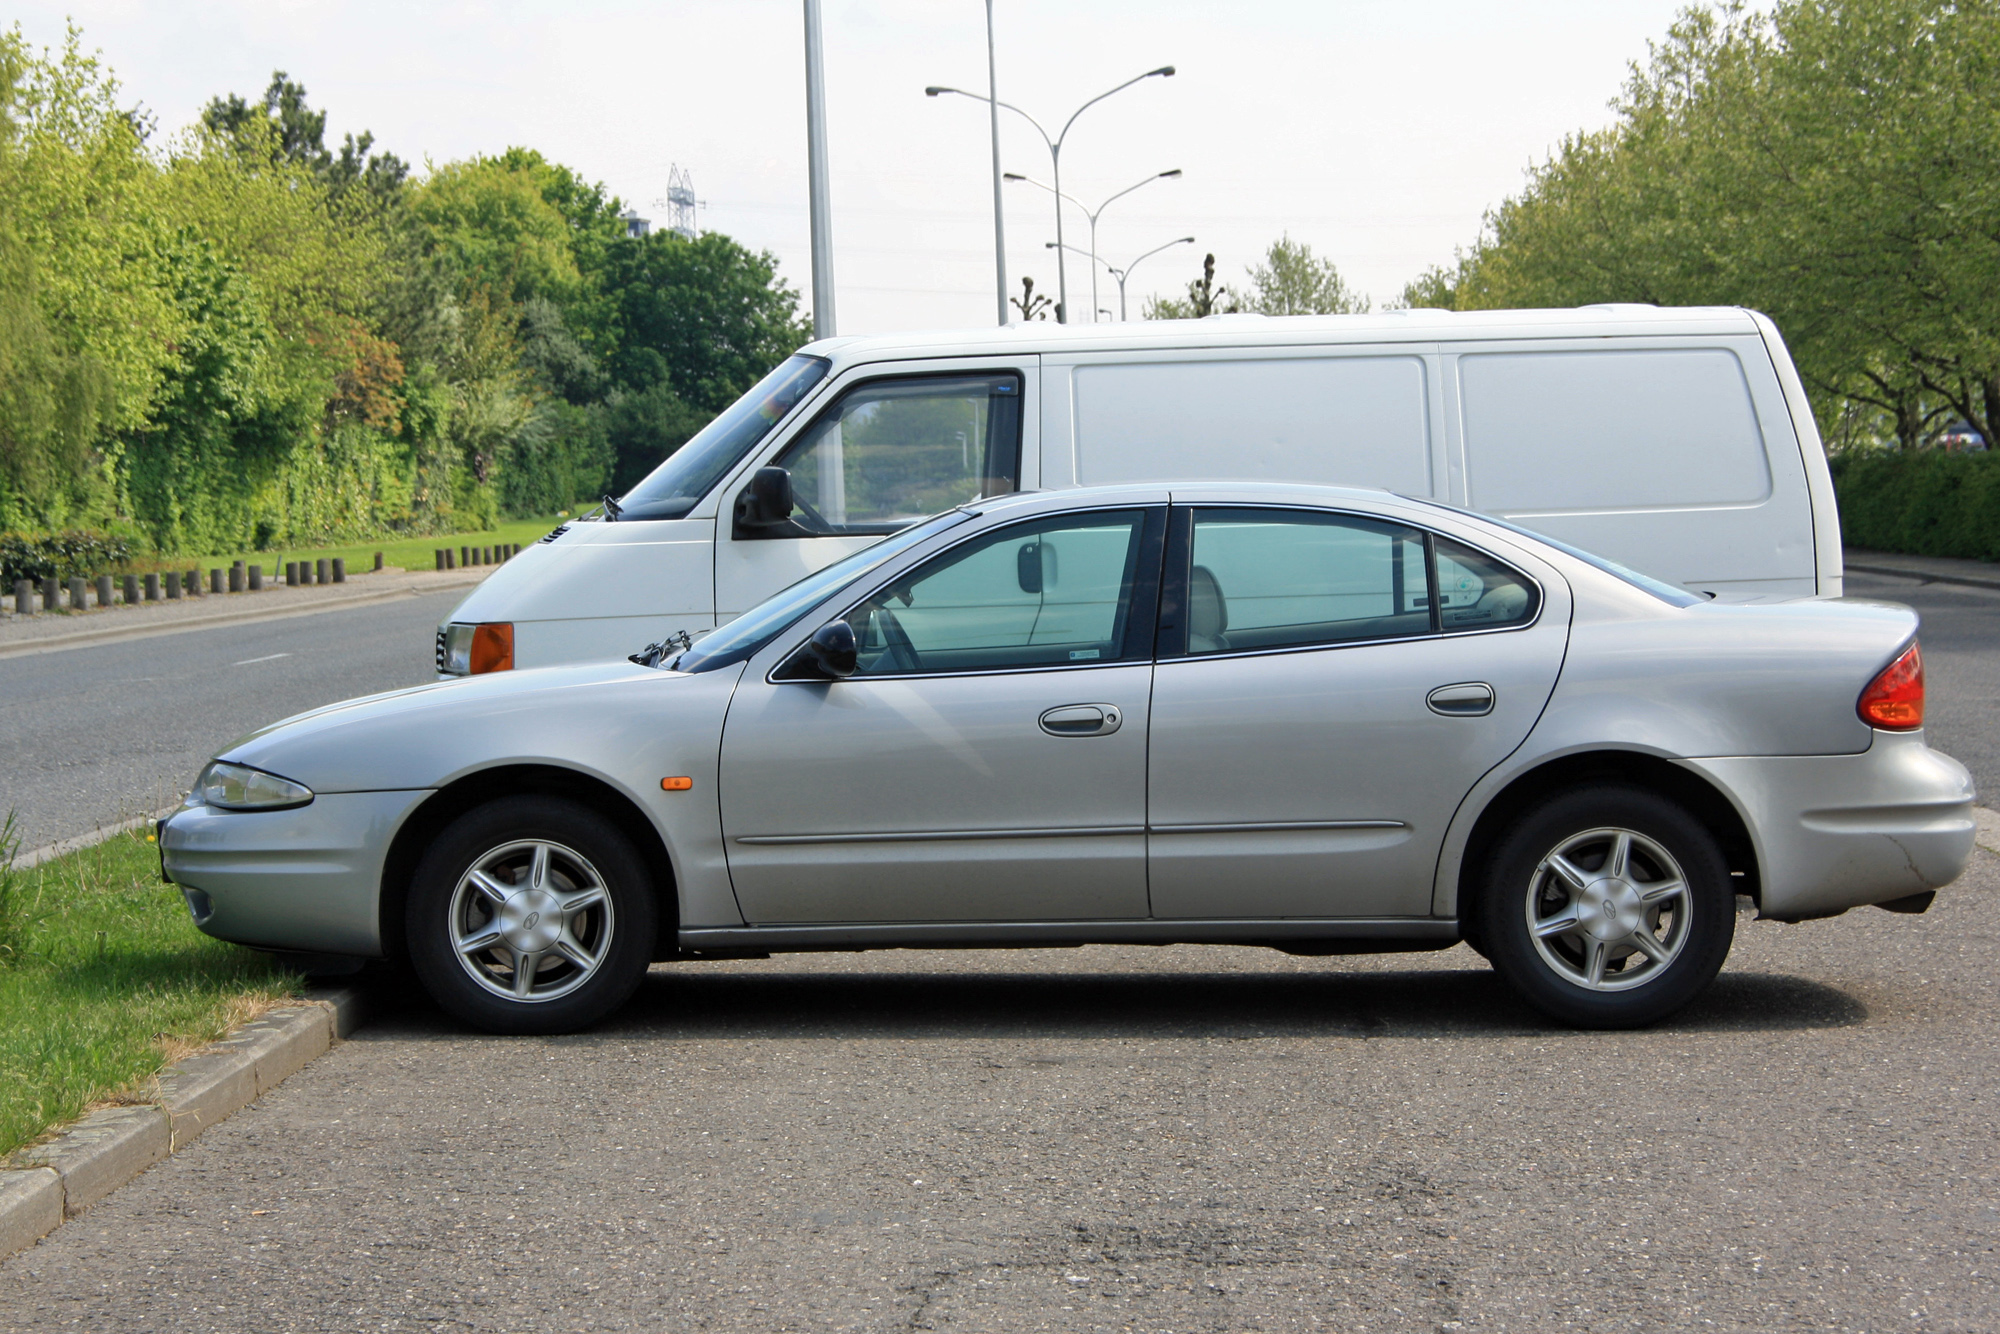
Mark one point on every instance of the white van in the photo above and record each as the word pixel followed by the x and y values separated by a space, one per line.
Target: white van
pixel 1676 441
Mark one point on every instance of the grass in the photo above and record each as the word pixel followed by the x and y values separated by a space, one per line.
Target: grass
pixel 412 553
pixel 104 981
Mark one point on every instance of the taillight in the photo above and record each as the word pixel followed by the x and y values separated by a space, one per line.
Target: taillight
pixel 493 649
pixel 1894 700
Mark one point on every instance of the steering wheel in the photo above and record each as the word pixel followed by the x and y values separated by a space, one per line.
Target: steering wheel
pixel 901 651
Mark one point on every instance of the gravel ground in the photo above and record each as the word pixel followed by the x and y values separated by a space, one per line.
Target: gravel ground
pixel 1193 1138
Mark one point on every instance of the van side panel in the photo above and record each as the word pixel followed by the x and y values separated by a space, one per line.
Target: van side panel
pixel 1827 548
pixel 1341 420
pixel 1678 460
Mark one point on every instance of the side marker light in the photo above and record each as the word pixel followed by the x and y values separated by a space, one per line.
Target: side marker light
pixel 676 784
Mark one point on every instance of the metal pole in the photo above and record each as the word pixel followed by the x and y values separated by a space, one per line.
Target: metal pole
pixel 1093 266
pixel 1062 270
pixel 821 211
pixel 999 215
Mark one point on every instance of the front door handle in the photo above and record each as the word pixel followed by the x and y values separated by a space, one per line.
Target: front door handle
pixel 1467 699
pixel 1082 720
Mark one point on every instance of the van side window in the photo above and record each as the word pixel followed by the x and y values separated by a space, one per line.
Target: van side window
pixel 892 451
pixel 1476 592
pixel 1260 578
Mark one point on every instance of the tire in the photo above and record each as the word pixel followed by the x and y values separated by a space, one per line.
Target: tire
pixel 1642 944
pixel 477 913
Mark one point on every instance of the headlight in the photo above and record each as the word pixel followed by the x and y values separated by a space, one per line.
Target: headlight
pixel 471 650
pixel 238 787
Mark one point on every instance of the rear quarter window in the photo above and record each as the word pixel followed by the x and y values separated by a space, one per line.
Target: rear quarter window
pixel 1547 432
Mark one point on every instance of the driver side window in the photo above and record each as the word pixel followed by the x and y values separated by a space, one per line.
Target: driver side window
pixel 1054 593
pixel 891 452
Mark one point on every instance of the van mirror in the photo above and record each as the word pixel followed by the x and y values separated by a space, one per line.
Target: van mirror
pixel 766 501
pixel 832 649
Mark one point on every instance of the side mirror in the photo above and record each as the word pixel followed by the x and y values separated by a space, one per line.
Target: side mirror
pixel 766 501
pixel 833 650
pixel 1028 567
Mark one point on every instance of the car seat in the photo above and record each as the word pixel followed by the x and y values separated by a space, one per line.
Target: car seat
pixel 1208 613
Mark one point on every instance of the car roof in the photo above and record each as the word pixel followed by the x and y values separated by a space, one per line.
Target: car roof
pixel 1396 326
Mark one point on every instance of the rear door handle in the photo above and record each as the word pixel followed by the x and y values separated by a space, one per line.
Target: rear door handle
pixel 1082 720
pixel 1466 699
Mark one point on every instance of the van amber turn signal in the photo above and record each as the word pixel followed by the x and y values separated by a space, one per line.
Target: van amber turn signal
pixel 492 648
pixel 1894 700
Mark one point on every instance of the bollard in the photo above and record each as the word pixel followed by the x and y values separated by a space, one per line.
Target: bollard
pixel 171 583
pixel 191 581
pixel 450 559
pixel 291 574
pixel 256 578
pixel 78 599
pixel 465 557
pixel 439 555
pixel 51 596
pixel 378 562
pixel 215 579
pixel 319 570
pixel 24 597
pixel 103 590
pixel 339 569
pixel 131 589
pixel 236 577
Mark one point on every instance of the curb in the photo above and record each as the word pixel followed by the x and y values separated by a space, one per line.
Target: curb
pixel 46 1183
pixel 113 633
pixel 77 842
pixel 1923 576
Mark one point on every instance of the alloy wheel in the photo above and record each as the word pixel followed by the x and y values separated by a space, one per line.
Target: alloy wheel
pixel 531 920
pixel 1608 909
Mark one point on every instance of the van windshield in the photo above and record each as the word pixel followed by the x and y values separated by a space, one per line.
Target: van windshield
pixel 672 489
pixel 741 638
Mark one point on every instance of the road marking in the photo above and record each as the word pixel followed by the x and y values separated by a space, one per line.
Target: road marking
pixel 268 657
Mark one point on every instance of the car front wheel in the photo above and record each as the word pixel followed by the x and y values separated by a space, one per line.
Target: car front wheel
pixel 531 915
pixel 1608 907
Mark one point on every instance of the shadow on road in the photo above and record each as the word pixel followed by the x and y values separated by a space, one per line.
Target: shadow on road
pixel 677 1004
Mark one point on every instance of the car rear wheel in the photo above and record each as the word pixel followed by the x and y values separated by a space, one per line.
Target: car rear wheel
pixel 531 915
pixel 1608 907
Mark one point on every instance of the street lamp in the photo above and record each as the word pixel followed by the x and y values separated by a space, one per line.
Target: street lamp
pixel 1055 159
pixel 1157 176
pixel 1122 274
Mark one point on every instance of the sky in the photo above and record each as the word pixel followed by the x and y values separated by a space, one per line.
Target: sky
pixel 1377 133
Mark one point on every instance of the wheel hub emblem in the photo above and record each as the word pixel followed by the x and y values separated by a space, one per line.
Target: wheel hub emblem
pixel 531 920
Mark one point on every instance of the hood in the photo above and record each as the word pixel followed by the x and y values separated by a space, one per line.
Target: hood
pixel 426 735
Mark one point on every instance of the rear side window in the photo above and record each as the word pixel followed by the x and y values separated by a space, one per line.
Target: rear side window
pixel 1347 421
pixel 1256 579
pixel 1563 431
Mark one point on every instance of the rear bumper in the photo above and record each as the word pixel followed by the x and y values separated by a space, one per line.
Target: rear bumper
pixel 307 879
pixel 1837 831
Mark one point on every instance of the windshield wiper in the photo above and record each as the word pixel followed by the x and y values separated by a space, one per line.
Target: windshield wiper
pixel 612 509
pixel 677 643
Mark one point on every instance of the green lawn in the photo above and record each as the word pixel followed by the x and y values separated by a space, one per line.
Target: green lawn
pixel 104 980
pixel 412 553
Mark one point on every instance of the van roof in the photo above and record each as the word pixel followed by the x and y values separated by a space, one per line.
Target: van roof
pixel 1395 326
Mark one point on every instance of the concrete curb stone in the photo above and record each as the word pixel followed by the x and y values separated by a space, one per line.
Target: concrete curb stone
pixel 45 1183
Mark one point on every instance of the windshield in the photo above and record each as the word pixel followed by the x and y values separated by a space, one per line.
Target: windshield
pixel 1660 589
pixel 672 489
pixel 742 637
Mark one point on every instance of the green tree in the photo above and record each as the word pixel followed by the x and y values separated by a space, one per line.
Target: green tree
pixel 1205 297
pixel 1293 281
pixel 287 127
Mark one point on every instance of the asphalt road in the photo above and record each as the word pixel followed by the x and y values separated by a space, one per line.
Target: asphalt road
pixel 1192 1138
pixel 1173 1139
pixel 99 734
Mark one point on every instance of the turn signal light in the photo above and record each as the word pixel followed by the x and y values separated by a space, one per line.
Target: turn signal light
pixel 492 648
pixel 1894 700
pixel 681 784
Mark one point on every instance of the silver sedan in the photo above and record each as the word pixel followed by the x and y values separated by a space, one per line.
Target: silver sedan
pixel 1318 720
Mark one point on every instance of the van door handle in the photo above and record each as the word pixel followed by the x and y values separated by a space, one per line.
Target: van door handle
pixel 1082 720
pixel 1467 699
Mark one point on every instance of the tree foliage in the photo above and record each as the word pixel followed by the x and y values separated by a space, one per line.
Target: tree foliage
pixel 1830 162
pixel 241 335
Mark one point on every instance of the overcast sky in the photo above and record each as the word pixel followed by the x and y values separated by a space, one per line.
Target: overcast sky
pixel 1376 132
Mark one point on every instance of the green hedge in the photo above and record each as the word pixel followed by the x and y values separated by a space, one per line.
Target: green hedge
pixel 59 555
pixel 1925 503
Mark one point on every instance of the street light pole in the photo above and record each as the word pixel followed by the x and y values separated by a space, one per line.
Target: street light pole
pixel 1122 274
pixel 819 208
pixel 999 213
pixel 1093 216
pixel 1055 145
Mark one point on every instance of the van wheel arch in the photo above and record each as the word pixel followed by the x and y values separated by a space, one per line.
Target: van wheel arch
pixel 438 810
pixel 1696 794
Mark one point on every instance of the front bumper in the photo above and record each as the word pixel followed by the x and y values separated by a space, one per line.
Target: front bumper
pixel 1837 831
pixel 305 879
